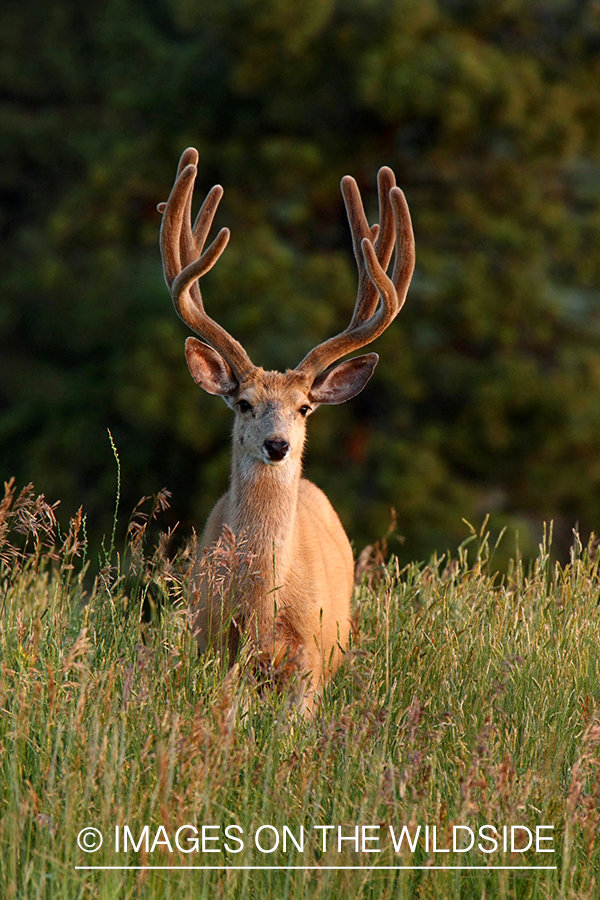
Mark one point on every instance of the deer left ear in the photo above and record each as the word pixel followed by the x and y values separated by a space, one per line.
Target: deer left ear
pixel 344 381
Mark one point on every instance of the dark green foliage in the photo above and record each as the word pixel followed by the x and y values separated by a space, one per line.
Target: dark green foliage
pixel 486 398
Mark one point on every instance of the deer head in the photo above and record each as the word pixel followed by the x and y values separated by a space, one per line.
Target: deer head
pixel 271 408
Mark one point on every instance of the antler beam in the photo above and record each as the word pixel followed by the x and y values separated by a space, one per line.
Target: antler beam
pixel 185 260
pixel 379 298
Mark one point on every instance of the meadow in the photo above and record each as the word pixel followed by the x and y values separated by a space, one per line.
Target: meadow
pixel 467 707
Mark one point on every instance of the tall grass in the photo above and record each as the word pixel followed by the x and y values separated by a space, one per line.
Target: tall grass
pixel 466 699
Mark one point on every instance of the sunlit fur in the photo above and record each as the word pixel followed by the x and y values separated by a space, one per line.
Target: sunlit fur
pixel 298 609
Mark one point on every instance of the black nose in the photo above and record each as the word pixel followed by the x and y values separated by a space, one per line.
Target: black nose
pixel 276 450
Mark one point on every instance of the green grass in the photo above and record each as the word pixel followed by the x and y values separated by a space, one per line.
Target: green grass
pixel 466 699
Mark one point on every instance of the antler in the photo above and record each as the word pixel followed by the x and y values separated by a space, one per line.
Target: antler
pixel 379 298
pixel 185 260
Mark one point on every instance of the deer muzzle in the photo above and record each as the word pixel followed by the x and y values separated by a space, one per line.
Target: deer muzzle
pixel 276 450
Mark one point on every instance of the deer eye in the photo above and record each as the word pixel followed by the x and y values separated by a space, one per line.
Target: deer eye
pixel 244 406
pixel 304 410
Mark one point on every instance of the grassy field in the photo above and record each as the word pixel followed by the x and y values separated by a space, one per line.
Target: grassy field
pixel 467 700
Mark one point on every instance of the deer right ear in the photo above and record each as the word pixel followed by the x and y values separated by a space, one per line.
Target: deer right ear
pixel 209 369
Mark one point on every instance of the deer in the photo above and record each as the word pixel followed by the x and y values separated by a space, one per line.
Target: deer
pixel 295 609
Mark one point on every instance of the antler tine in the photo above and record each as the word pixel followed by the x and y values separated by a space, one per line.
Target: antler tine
pixel 381 235
pixel 404 263
pixel 185 260
pixel 379 297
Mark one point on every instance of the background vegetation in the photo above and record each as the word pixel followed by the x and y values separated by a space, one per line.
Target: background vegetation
pixel 487 396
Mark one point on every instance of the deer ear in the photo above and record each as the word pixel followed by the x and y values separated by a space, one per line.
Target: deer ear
pixel 209 369
pixel 344 381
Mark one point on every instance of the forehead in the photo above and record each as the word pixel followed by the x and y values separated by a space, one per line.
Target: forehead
pixel 274 387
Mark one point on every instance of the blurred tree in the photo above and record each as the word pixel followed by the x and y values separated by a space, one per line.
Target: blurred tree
pixel 486 398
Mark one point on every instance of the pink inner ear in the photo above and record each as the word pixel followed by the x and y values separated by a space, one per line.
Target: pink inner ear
pixel 344 381
pixel 209 369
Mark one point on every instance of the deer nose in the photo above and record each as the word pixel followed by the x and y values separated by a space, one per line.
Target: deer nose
pixel 276 450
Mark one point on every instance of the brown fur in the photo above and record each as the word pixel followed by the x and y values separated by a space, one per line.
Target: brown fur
pixel 297 608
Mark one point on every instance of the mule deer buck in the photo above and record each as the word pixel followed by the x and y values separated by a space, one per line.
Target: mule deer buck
pixel 296 610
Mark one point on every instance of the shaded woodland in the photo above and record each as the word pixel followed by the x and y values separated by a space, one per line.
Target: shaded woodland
pixel 486 398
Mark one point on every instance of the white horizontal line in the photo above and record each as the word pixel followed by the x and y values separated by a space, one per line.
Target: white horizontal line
pixel 320 868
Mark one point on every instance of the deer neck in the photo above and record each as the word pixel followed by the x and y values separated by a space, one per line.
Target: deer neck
pixel 263 501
